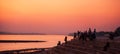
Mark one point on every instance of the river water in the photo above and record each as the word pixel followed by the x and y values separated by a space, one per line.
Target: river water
pixel 51 41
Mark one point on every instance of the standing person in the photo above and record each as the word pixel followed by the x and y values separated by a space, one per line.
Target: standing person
pixel 81 36
pixel 85 35
pixel 59 43
pixel 90 34
pixel 65 39
pixel 75 35
pixel 94 34
pixel 78 33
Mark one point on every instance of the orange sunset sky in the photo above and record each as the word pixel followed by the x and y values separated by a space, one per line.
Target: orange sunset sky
pixel 58 16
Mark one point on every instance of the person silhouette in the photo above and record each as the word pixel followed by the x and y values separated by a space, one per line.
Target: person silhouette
pixel 65 39
pixel 81 36
pixel 75 35
pixel 94 34
pixel 85 35
pixel 78 33
pixel 90 34
pixel 59 43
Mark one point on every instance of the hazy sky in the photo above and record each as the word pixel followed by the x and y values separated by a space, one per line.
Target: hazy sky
pixel 58 16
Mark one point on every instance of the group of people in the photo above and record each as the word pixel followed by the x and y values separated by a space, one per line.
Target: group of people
pixel 89 35
pixel 65 40
pixel 85 35
pixel 82 36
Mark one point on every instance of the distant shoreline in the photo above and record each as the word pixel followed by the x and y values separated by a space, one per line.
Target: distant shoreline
pixel 33 34
pixel 19 41
pixel 8 33
pixel 22 34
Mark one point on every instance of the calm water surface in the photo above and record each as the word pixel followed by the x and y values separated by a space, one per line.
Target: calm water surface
pixel 51 41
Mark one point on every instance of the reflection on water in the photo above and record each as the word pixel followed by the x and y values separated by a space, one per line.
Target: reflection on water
pixel 51 41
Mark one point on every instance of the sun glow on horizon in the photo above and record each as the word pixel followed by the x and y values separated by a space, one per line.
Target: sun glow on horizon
pixel 58 16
